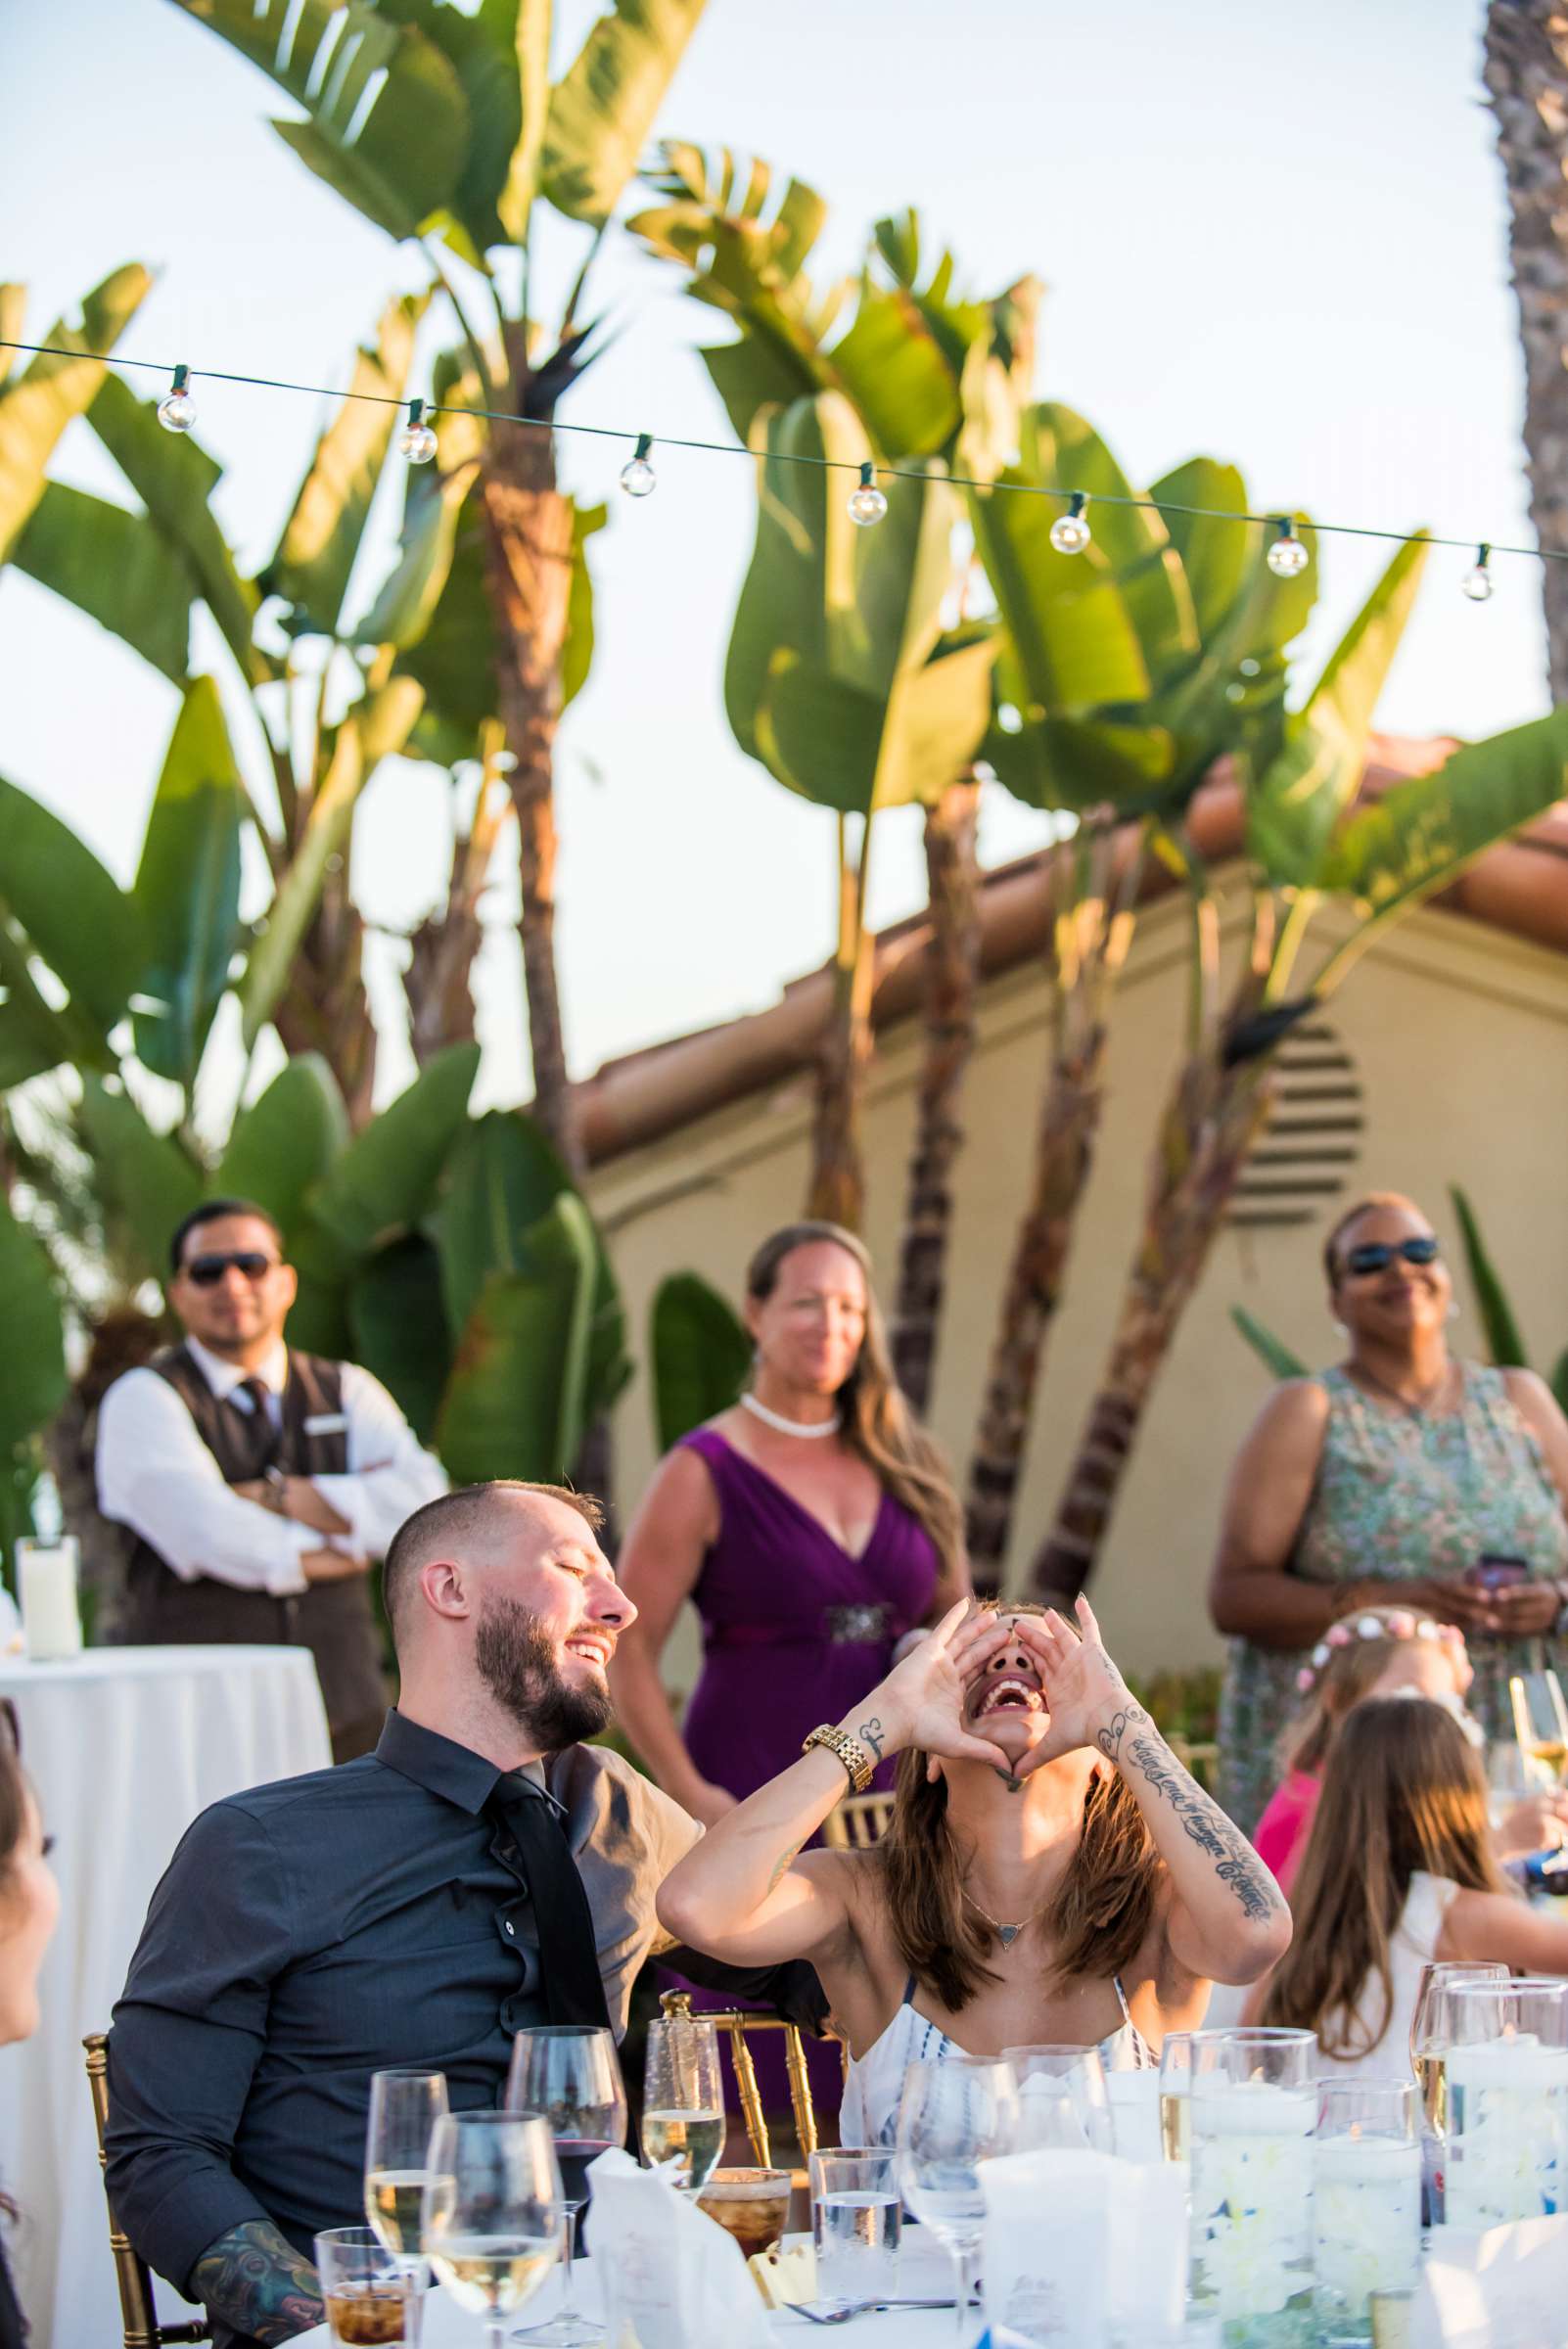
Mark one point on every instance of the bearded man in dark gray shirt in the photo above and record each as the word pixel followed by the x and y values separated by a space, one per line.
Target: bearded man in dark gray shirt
pixel 481 1871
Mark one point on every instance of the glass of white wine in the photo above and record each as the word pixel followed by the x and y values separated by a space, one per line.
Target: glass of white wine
pixel 1541 1721
pixel 683 2099
pixel 1432 2031
pixel 404 2107
pixel 1176 2095
pixel 490 2217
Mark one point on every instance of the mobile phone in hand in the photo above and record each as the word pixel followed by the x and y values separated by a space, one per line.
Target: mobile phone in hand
pixel 1492 1572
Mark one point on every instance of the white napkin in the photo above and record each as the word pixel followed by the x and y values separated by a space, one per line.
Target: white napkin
pixel 671 2276
pixel 1046 2258
pixel 1503 2289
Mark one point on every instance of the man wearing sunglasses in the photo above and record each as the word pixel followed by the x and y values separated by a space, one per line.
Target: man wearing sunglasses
pixel 258 1482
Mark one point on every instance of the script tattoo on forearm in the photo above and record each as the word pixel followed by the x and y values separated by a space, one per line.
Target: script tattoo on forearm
pixel 259 2284
pixel 1109 1739
pixel 1236 1864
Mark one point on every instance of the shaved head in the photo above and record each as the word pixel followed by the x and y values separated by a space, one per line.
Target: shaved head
pixel 476 1524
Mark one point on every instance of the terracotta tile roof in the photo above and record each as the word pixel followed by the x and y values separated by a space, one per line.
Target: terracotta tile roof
pixel 1520 888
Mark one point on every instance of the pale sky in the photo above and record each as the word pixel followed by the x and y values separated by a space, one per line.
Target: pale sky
pixel 1269 234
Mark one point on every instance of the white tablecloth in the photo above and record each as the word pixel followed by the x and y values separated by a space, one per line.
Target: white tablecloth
pixel 124 1745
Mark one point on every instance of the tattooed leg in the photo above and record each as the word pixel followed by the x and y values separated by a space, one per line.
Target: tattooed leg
pixel 259 2284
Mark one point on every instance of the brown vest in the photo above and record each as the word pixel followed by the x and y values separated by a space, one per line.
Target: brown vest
pixel 334 1620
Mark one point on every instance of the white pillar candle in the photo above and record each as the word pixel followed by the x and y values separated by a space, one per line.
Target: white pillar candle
pixel 1507 2123
pixel 46 1579
pixel 1366 2217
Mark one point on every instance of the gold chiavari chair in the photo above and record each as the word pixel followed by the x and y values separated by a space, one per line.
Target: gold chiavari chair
pixel 138 2314
pixel 1203 1760
pixel 736 2025
pixel 858 1822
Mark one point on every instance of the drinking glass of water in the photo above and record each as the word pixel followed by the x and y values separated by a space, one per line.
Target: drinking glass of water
pixel 856 2219
pixel 683 2099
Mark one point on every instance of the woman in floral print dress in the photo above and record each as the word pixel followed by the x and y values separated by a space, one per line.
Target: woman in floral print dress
pixel 1393 1474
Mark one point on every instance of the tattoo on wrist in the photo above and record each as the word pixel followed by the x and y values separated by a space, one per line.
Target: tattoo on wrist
pixel 255 2281
pixel 1236 1864
pixel 1109 1739
pixel 872 1735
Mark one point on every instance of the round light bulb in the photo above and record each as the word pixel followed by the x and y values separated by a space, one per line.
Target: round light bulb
pixel 1070 533
pixel 1287 557
pixel 417 442
pixel 1477 582
pixel 866 502
pixel 176 410
pixel 639 478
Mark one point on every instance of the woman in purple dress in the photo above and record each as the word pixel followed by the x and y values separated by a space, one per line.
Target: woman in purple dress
pixel 813 1527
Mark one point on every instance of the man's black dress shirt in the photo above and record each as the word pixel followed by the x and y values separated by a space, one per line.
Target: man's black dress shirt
pixel 310 1933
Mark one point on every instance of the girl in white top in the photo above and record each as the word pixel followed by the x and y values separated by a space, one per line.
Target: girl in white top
pixel 1052 1871
pixel 1400 1870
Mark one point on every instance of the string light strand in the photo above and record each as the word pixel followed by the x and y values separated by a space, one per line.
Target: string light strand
pixel 731 449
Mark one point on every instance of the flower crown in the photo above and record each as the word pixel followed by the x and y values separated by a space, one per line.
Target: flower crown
pixel 1397 1625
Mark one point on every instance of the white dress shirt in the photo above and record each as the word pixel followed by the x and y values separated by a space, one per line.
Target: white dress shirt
pixel 156 1475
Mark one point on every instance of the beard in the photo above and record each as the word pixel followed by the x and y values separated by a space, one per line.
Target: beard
pixel 516 1659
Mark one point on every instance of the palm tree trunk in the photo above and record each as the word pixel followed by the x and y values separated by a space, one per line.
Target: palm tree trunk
pixel 325 1008
pixel 952 973
pixel 836 1191
pixel 1526 72
pixel 437 980
pixel 1207 1127
pixel 528 573
pixel 1090 933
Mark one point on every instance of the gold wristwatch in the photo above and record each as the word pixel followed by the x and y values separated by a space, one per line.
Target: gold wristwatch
pixel 848 1750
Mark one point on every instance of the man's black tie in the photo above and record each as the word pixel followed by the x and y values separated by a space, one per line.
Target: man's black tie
pixel 260 1441
pixel 569 1960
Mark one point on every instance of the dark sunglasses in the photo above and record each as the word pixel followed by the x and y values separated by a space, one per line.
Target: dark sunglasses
pixel 207 1270
pixel 1376 1255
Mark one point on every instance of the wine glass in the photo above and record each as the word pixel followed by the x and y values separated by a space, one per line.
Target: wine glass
pixel 1062 2097
pixel 490 2217
pixel 953 2116
pixel 1432 2030
pixel 1541 1719
pixel 570 2074
pixel 683 2099
pixel 404 2107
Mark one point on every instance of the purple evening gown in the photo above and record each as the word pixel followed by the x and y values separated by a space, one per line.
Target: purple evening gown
pixel 795 1630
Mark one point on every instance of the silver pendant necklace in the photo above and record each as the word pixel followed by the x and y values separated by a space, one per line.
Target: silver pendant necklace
pixel 811 1430
pixel 1005 1934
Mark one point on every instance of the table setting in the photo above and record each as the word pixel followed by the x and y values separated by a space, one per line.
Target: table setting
pixel 1235 2199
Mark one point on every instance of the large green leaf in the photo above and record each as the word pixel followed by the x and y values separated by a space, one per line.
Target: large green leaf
pixel 1070 762
pixel 33 1035
pixel 602 111
pixel 1275 1356
pixel 188 888
pixel 315 555
pixel 1062 447
pixel 1423 833
pixel 436 504
pixel 388 124
pixel 1296 807
pixel 398 1326
pixel 117 567
pixel 385 1179
pixel 699 1353
pixel 33 1361
pixel 1071 636
pixel 174 479
pixel 318 1323
pixel 1503 1341
pixel 858 751
pixel 1214 545
pixel 37 404
pixel 285 1141
pixel 146 1181
pixel 530 41
pixel 69 909
pixel 375 730
pixel 516 1403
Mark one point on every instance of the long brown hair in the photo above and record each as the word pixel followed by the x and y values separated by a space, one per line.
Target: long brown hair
pixel 878 1423
pixel 1403 1790
pixel 1102 1914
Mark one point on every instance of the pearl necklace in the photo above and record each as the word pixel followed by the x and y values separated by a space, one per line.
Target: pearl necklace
pixel 812 1430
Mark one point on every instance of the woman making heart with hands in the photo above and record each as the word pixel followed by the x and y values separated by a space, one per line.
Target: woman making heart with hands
pixel 1050 1873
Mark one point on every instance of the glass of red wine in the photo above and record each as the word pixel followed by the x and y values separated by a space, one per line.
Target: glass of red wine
pixel 570 2074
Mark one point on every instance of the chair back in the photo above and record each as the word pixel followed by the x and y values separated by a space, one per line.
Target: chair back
pixel 857 1822
pixel 137 2311
pixel 737 2025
